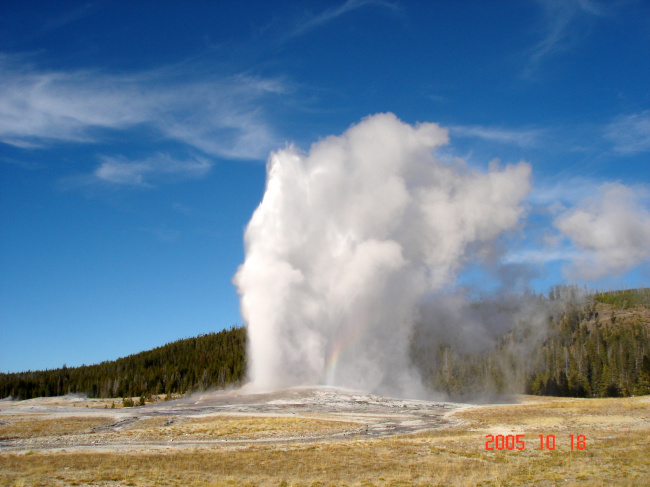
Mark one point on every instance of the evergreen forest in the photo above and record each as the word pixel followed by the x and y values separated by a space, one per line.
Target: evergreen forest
pixel 570 344
pixel 586 346
pixel 191 364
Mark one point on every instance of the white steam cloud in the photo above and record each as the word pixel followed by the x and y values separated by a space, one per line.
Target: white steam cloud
pixel 611 232
pixel 349 238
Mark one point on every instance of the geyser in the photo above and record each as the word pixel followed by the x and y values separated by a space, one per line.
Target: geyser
pixel 346 241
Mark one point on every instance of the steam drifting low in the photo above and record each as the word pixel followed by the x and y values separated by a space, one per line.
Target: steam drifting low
pixel 346 241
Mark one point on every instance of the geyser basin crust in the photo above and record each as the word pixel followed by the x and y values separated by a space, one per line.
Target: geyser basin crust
pixel 225 417
pixel 185 443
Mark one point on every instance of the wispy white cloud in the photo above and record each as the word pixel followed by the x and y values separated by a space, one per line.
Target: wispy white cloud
pixel 182 209
pixel 71 16
pixel 562 28
pixel 29 165
pixel 149 171
pixel 163 233
pixel 630 133
pixel 522 138
pixel 563 192
pixel 313 21
pixel 118 172
pixel 539 256
pixel 220 115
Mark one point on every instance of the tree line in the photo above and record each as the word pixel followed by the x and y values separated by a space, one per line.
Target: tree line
pixel 588 346
pixel 600 349
pixel 190 364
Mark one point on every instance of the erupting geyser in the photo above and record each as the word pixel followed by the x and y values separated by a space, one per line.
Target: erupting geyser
pixel 348 238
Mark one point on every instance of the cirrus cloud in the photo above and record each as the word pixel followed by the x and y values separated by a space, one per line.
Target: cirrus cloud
pixel 520 137
pixel 216 114
pixel 630 133
pixel 143 173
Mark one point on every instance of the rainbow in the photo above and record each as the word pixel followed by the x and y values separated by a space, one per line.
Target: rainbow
pixel 343 341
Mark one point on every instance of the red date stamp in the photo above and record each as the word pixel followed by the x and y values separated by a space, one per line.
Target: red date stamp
pixel 517 442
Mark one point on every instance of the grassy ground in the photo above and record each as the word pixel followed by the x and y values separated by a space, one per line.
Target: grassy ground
pixel 616 452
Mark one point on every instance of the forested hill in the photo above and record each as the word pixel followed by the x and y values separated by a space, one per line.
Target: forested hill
pixel 199 363
pixel 591 346
pixel 598 349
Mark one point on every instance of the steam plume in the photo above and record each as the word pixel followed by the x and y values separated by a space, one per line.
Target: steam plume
pixel 611 232
pixel 348 238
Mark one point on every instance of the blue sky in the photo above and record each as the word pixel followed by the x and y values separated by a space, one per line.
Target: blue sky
pixel 134 136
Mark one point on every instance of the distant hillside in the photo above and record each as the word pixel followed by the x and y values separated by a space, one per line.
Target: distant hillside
pixel 206 361
pixel 591 346
pixel 567 345
pixel 598 349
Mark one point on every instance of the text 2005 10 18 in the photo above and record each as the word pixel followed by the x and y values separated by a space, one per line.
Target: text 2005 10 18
pixel 517 442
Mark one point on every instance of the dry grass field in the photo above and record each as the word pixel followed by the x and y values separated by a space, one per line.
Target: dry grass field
pixel 89 447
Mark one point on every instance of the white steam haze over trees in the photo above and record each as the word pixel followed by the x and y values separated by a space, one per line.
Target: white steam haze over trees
pixel 351 278
pixel 363 237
